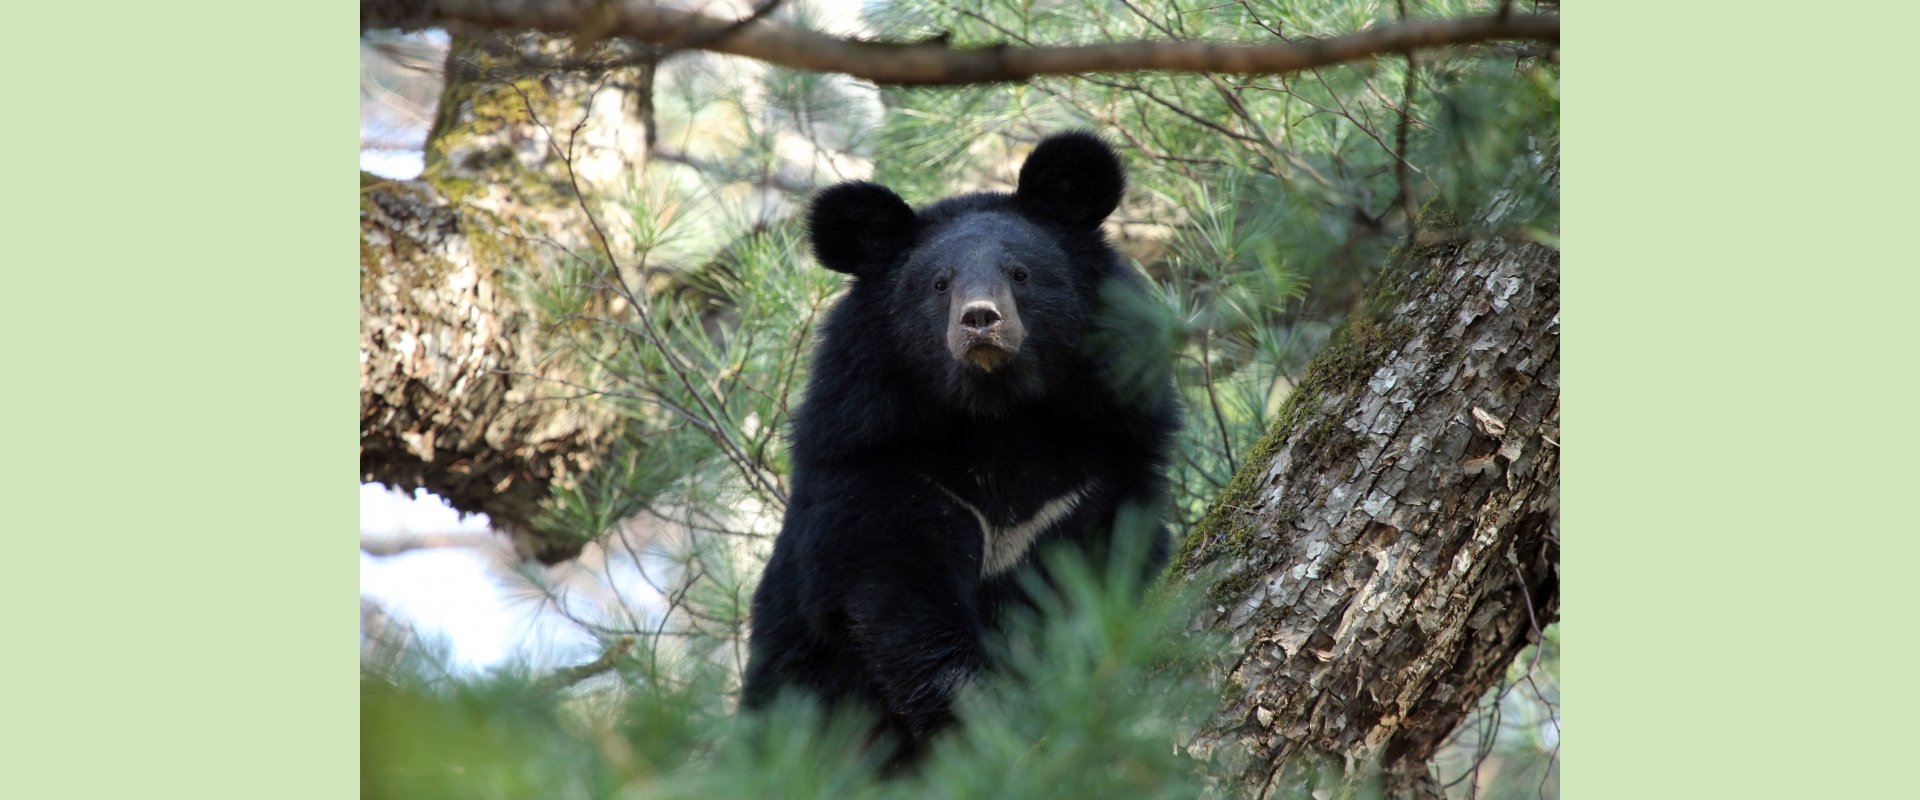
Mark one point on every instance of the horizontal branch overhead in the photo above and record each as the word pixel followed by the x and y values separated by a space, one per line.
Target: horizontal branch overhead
pixel 936 63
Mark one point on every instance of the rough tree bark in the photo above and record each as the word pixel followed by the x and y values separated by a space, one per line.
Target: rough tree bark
pixel 451 392
pixel 1393 543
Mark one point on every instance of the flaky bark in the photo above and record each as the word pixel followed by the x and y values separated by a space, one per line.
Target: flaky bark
pixel 454 389
pixel 1394 542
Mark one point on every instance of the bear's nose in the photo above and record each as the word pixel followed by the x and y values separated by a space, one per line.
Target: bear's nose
pixel 981 316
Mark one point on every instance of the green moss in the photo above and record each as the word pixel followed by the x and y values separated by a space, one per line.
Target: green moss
pixel 1231 588
pixel 1204 540
pixel 1356 352
pixel 1346 362
pixel 485 96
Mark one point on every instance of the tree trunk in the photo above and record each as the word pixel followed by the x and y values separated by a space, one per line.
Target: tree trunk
pixel 455 396
pixel 1394 542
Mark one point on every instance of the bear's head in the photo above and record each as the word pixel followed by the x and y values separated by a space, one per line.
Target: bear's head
pixel 987 295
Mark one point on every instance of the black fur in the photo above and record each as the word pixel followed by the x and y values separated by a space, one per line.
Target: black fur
pixel 875 593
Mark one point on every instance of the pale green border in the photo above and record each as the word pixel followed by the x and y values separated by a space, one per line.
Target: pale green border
pixel 179 400
pixel 1740 286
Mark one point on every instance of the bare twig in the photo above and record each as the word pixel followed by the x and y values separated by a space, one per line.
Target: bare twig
pixel 1206 364
pixel 718 170
pixel 563 678
pixel 935 62
pixel 757 476
pixel 1410 207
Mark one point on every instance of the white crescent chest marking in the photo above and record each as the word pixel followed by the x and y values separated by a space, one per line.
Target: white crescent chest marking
pixel 1003 546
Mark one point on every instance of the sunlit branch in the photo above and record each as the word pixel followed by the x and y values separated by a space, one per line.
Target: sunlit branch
pixel 935 62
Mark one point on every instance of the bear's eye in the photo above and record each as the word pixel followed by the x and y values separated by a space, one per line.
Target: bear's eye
pixel 940 285
pixel 1019 274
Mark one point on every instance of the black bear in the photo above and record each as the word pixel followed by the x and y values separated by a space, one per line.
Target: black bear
pixel 957 422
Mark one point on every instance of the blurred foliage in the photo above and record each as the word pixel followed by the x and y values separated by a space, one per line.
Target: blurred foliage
pixel 1089 704
pixel 1259 208
pixel 1510 748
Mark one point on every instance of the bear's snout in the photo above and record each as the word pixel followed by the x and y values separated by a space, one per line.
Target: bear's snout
pixel 980 333
pixel 985 333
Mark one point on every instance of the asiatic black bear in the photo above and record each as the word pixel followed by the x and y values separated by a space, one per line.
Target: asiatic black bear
pixel 958 420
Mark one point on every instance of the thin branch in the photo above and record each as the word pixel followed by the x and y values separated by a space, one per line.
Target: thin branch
pixel 1216 483
pixel 1120 85
pixel 934 62
pixel 563 678
pixel 1260 134
pixel 649 329
pixel 1410 207
pixel 1396 109
pixel 1226 441
pixel 715 169
pixel 1149 20
pixel 624 535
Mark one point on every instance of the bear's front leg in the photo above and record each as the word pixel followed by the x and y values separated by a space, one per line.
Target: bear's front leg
pixel 918 638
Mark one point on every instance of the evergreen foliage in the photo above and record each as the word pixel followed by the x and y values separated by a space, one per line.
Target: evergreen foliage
pixel 1088 704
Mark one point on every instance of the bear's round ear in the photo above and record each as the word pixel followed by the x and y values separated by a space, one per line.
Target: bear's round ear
pixel 1072 178
pixel 860 228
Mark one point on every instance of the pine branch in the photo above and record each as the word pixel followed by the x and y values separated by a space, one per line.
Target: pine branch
pixel 935 62
pixel 568 676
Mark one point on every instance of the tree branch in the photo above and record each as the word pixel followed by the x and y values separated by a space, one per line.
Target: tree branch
pixel 936 63
pixel 568 676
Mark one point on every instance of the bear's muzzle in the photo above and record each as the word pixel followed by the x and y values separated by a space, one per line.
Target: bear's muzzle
pixel 982 336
